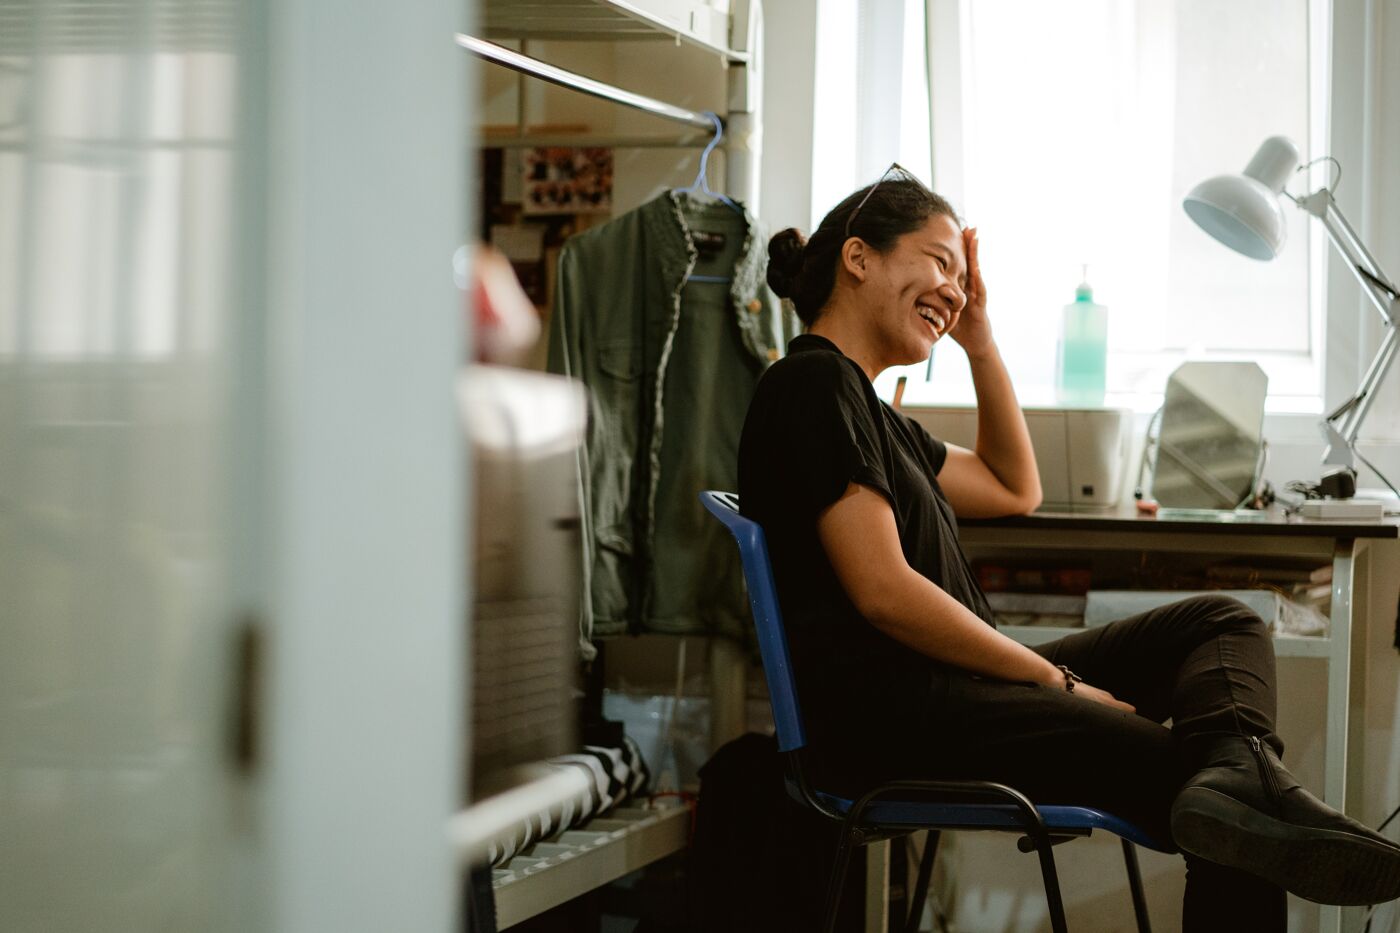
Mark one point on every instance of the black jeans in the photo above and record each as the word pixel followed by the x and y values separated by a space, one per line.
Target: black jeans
pixel 1205 663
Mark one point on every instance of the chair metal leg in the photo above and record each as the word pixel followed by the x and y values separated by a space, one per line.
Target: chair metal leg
pixel 916 904
pixel 838 875
pixel 1135 885
pixel 1052 885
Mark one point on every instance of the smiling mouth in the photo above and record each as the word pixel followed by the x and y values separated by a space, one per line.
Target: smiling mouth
pixel 934 318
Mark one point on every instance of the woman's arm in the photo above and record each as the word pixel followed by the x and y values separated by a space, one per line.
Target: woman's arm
pixel 861 540
pixel 1000 477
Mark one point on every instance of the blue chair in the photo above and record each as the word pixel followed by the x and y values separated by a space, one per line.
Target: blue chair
pixel 901 807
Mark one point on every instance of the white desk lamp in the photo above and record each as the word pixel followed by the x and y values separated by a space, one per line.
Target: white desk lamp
pixel 1244 213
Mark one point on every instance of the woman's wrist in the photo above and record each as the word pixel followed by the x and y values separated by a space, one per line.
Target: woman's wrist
pixel 1059 677
pixel 983 353
pixel 1051 676
pixel 1070 678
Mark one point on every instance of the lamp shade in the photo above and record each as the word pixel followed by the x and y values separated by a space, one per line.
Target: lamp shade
pixel 1243 211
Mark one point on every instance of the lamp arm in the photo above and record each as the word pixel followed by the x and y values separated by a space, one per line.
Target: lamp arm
pixel 1363 265
pixel 1353 411
pixel 1343 424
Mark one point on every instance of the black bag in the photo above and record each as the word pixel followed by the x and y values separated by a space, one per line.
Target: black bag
pixel 759 861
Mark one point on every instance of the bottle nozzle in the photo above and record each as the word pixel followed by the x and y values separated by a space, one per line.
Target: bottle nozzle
pixel 1085 291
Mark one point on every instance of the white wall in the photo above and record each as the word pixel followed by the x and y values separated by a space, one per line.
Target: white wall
pixel 367 136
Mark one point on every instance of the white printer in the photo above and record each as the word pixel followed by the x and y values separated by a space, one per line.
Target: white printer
pixel 1082 453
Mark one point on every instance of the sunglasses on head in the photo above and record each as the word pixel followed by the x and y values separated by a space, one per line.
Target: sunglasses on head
pixel 895 171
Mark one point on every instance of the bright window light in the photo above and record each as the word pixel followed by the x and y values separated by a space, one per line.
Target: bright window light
pixel 1068 134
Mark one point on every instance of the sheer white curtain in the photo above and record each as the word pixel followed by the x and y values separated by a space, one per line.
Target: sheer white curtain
pixel 871 103
pixel 1068 134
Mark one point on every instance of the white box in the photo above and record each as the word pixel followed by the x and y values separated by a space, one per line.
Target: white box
pixel 1082 453
pixel 1281 614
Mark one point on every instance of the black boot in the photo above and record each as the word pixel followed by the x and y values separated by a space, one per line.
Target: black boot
pixel 1244 810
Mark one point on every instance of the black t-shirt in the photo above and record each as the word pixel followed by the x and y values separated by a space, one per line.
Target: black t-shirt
pixel 814 426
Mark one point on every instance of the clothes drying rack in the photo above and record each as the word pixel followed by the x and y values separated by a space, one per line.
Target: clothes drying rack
pixel 741 121
pixel 727 664
pixel 518 61
pixel 603 850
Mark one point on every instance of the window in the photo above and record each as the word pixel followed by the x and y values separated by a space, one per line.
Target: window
pixel 1068 133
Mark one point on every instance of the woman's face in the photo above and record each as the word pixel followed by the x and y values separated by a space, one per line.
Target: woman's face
pixel 915 291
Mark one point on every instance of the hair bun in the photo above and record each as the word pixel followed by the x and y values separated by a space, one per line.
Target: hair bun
pixel 785 254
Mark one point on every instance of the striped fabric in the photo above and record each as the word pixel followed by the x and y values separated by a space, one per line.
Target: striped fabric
pixel 614 775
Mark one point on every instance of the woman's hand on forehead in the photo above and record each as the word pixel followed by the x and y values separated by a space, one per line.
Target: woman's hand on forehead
pixel 973 330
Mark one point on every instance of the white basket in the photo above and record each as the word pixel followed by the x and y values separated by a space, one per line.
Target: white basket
pixel 1281 614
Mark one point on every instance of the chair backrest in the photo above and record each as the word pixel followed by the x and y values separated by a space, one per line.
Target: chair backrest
pixel 763 600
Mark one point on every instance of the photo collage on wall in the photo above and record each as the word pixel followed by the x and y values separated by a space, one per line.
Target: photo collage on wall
pixel 535 199
pixel 562 180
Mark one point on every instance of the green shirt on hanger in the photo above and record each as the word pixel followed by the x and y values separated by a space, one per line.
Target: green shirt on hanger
pixel 671 354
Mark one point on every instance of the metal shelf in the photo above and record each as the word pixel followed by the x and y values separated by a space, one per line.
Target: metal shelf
pixel 518 61
pixel 693 21
pixel 575 862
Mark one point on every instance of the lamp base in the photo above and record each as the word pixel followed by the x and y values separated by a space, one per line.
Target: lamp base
pixel 1343 509
pixel 1338 484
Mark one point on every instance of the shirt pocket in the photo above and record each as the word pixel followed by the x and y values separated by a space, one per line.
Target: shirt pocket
pixel 615 438
pixel 617 362
pixel 616 395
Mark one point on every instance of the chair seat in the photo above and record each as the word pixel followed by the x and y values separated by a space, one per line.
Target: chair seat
pixel 924 814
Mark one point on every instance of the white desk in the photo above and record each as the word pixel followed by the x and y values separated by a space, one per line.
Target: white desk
pixel 1345 543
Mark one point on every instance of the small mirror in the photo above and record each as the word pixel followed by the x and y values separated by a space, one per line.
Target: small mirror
pixel 1208 447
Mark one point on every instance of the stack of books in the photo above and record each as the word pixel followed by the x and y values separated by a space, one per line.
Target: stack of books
pixel 1035 593
pixel 1038 609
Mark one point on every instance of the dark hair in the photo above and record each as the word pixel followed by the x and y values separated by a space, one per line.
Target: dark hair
pixel 805 269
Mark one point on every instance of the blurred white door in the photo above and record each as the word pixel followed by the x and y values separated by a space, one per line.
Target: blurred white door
pixel 230 559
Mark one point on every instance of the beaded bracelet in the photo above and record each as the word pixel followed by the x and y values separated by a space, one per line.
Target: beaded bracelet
pixel 1071 678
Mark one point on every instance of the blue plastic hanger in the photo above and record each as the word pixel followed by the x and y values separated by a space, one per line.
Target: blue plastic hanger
pixel 701 185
